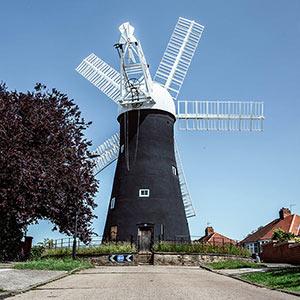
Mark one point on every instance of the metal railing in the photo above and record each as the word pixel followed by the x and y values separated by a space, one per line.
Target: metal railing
pixel 67 243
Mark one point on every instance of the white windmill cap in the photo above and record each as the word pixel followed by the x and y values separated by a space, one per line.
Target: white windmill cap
pixel 162 98
pixel 126 33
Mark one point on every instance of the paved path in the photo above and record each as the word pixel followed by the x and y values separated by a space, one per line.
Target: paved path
pixel 14 280
pixel 150 282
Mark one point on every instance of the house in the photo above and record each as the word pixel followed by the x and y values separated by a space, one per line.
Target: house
pixel 286 221
pixel 215 238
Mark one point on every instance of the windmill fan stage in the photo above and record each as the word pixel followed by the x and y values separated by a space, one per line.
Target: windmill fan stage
pixel 150 199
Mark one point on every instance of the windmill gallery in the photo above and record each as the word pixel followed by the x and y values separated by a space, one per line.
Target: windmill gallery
pixel 150 199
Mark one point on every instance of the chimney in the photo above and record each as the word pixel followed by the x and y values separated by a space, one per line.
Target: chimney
pixel 284 212
pixel 209 230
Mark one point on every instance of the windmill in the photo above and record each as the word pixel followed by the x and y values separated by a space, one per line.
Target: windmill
pixel 150 198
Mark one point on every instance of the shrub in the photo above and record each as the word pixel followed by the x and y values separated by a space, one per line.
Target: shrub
pixel 197 247
pixel 38 250
pixel 281 236
pixel 105 248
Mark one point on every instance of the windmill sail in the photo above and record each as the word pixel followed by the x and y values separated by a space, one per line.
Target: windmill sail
pixel 178 55
pixel 101 75
pixel 186 198
pixel 220 115
pixel 107 153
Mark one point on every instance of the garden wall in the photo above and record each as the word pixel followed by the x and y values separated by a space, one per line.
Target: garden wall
pixel 104 260
pixel 160 258
pixel 187 259
pixel 286 252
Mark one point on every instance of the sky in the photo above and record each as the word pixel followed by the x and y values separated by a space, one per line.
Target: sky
pixel 249 51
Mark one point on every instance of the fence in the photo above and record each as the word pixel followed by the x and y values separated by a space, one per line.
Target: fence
pixel 97 241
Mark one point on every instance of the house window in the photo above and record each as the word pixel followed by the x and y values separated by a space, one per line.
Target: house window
pixel 144 193
pixel 122 148
pixel 113 233
pixel 174 170
pixel 112 203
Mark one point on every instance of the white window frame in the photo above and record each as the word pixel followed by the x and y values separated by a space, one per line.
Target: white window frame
pixel 143 193
pixel 112 203
pixel 174 171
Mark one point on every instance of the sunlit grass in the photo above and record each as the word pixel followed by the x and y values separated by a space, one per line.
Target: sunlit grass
pixel 67 264
pixel 233 264
pixel 287 279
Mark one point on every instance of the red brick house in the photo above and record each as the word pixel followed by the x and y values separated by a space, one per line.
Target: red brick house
pixel 286 221
pixel 215 238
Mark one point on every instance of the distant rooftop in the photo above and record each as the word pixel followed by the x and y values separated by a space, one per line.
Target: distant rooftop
pixel 213 237
pixel 287 222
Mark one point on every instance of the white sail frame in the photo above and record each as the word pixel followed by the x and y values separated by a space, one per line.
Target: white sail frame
pixel 220 115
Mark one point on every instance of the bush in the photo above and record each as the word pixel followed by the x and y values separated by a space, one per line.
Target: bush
pixel 38 250
pixel 105 248
pixel 197 247
pixel 281 236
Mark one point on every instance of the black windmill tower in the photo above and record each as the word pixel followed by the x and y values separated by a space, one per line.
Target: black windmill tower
pixel 150 199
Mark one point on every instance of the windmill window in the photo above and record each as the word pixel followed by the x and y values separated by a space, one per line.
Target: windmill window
pixel 174 170
pixel 144 193
pixel 122 148
pixel 112 203
pixel 113 232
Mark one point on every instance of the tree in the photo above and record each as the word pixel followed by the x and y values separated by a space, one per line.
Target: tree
pixel 282 236
pixel 45 172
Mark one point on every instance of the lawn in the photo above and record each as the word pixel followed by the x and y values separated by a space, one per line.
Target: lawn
pixel 287 279
pixel 233 264
pixel 54 264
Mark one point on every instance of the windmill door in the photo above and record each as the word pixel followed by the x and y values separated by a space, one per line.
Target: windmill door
pixel 145 239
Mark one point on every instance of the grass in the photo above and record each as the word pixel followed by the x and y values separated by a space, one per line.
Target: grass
pixel 287 279
pixel 54 264
pixel 200 248
pixel 233 264
pixel 106 248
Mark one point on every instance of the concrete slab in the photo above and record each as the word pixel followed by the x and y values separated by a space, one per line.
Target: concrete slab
pixel 14 280
pixel 240 271
pixel 150 282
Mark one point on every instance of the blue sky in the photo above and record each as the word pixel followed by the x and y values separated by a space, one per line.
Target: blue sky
pixel 250 50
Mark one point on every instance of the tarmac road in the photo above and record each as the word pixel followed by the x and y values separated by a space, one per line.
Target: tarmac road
pixel 150 282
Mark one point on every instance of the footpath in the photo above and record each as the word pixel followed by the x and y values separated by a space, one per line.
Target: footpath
pixel 17 281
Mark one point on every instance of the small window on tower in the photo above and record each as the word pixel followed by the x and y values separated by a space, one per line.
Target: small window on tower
pixel 174 170
pixel 122 148
pixel 112 203
pixel 144 193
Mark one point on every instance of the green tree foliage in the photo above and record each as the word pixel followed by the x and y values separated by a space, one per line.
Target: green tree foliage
pixel 281 235
pixel 44 170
